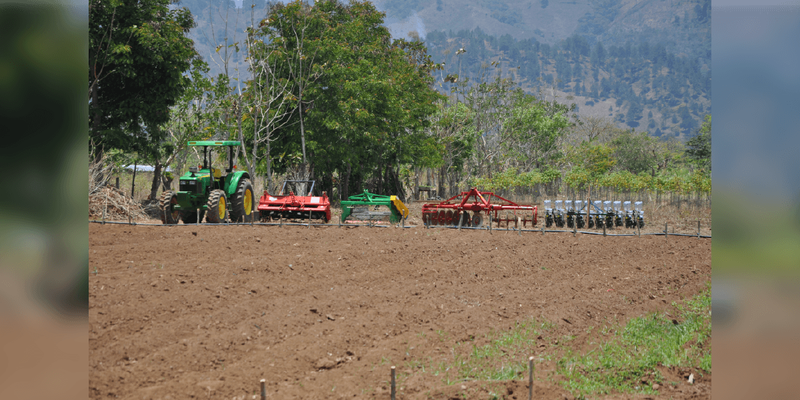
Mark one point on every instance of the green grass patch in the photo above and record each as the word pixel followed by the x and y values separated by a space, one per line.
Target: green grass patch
pixel 635 350
pixel 503 358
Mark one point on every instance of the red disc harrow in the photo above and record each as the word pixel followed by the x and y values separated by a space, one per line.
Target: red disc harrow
pixel 473 208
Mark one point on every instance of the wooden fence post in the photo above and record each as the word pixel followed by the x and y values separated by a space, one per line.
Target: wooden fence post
pixel 530 378
pixel 394 387
pixel 263 389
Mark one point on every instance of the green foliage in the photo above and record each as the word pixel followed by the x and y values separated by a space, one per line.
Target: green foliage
pixel 365 96
pixel 635 152
pixel 532 130
pixel 698 148
pixel 591 162
pixel 578 177
pixel 138 53
pixel 452 134
pixel 635 350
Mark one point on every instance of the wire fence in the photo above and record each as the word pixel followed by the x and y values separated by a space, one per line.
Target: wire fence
pixel 488 228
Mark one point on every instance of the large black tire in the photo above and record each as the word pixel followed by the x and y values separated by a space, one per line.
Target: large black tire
pixel 191 217
pixel 217 207
pixel 166 204
pixel 242 202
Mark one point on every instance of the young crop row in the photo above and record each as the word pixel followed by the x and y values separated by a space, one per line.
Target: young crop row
pixel 578 178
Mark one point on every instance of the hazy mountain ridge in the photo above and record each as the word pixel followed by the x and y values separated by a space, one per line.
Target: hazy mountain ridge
pixel 683 26
pixel 640 87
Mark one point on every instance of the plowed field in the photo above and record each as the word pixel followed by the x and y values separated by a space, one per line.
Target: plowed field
pixel 208 311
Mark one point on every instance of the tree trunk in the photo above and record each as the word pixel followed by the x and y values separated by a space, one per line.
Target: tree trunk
pixel 133 181
pixel 416 183
pixel 166 184
pixel 442 177
pixel 269 166
pixel 156 181
pixel 399 185
pixel 346 183
pixel 96 123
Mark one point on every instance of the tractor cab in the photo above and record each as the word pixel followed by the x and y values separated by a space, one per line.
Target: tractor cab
pixel 210 177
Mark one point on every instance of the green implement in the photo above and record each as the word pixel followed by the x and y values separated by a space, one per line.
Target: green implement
pixel 357 208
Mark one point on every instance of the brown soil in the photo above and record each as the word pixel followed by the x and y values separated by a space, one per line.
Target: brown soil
pixel 208 311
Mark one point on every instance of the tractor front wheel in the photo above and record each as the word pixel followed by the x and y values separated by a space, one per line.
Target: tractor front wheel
pixel 217 207
pixel 169 215
pixel 242 202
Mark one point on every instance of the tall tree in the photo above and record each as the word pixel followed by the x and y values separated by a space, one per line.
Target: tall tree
pixel 635 152
pixel 698 148
pixel 360 96
pixel 138 53
pixel 533 129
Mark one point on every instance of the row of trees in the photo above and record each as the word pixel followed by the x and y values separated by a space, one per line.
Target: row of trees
pixel 330 96
pixel 330 92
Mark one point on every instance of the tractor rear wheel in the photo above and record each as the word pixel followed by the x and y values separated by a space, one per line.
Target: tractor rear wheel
pixel 169 215
pixel 242 202
pixel 217 207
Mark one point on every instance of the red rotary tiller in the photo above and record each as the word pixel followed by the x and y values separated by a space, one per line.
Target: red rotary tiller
pixel 469 209
pixel 295 206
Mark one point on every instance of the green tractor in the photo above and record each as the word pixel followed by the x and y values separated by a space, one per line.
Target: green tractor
pixel 208 192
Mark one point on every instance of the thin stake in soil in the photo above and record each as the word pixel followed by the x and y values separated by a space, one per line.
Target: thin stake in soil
pixel 309 219
pixel 698 229
pixel 604 228
pixel 198 216
pixel 530 378
pixel 394 391
pixel 490 223
pixel 666 230
pixel 263 389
